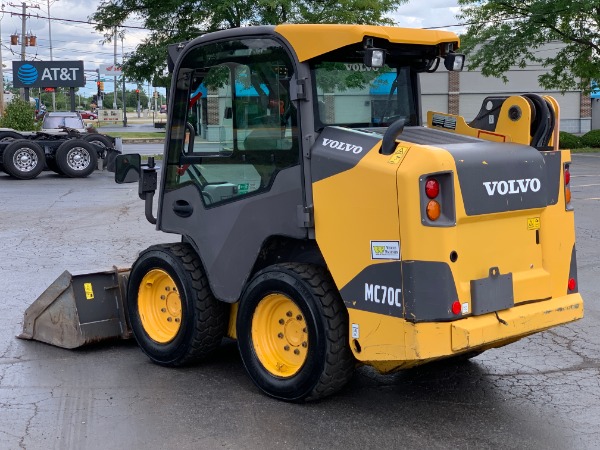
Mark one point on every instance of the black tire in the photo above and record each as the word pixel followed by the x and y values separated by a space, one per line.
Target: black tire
pixel 53 166
pixel 98 139
pixel 203 318
pixel 76 158
pixel 10 136
pixel 23 159
pixel 326 363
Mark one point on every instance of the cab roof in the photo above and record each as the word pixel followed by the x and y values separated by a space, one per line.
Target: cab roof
pixel 310 40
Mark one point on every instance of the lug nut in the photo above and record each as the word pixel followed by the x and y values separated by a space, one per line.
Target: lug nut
pixel 289 314
pixel 298 317
pixel 280 335
pixel 162 297
pixel 169 319
pixel 304 330
pixel 281 321
pixel 305 344
pixel 177 319
pixel 163 310
pixel 167 288
pixel 287 348
pixel 296 352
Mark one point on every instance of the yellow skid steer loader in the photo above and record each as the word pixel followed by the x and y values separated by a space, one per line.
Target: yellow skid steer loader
pixel 322 225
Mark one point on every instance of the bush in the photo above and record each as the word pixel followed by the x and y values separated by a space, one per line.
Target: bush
pixel 591 139
pixel 570 141
pixel 18 115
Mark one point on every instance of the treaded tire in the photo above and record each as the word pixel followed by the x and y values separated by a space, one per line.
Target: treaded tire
pixel 77 158
pixel 10 136
pixel 204 319
pixel 329 363
pixel 23 159
pixel 98 140
pixel 51 164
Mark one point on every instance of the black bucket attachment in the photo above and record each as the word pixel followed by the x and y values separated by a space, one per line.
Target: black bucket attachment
pixel 79 309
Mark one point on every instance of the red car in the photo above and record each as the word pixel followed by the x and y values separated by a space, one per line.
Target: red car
pixel 88 115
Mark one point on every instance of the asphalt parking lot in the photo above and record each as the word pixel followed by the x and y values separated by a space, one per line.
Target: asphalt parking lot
pixel 542 392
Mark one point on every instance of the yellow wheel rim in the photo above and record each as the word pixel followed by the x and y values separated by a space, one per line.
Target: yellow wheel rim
pixel 279 335
pixel 159 306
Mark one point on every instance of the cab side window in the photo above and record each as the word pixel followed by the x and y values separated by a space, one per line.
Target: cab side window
pixel 235 127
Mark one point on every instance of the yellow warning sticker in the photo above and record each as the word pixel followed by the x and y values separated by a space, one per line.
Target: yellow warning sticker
pixel 89 292
pixel 398 155
pixel 533 223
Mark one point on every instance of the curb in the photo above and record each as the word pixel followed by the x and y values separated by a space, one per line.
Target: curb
pixel 143 141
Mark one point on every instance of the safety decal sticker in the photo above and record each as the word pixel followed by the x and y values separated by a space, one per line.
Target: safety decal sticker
pixel 533 223
pixel 398 155
pixel 385 250
pixel 89 292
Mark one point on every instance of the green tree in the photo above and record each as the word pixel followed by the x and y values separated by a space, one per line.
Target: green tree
pixel 18 115
pixel 504 33
pixel 172 21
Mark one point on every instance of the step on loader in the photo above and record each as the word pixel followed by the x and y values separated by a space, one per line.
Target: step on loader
pixel 322 225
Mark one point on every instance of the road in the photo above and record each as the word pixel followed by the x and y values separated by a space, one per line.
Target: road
pixel 542 392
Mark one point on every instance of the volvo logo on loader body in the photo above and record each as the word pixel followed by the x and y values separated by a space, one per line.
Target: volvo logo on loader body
pixel 505 187
pixel 344 146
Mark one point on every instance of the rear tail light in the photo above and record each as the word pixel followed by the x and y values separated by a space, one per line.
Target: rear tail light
pixel 567 181
pixel 572 284
pixel 437 199
pixel 432 188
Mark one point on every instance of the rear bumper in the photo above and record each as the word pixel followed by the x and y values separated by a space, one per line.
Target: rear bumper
pixel 520 321
pixel 389 343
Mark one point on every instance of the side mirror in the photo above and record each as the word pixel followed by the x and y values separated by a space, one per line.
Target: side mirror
pixel 128 168
pixel 454 61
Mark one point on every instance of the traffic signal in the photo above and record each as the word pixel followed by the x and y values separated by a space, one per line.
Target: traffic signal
pixel 101 85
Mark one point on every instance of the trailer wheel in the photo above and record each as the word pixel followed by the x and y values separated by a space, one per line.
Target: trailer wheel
pixel 53 166
pixel 76 158
pixel 98 139
pixel 292 330
pixel 6 136
pixel 174 317
pixel 23 159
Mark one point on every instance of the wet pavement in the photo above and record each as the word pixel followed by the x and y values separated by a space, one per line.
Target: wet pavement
pixel 542 392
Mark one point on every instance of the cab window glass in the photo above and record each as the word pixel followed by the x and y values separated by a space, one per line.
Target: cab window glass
pixel 233 127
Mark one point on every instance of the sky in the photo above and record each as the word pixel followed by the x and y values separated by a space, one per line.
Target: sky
pixel 72 39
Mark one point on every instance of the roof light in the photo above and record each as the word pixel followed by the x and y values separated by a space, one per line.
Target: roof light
pixel 454 61
pixel 374 57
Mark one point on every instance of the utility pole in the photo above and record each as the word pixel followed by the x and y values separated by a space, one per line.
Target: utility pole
pixel 1 71
pixel 50 36
pixel 24 91
pixel 115 79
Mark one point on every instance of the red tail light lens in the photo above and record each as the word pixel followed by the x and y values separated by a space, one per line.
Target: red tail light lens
pixel 432 188
pixel 572 284
pixel 567 181
pixel 456 308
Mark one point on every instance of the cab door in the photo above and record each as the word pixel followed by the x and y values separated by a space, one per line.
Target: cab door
pixel 231 177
